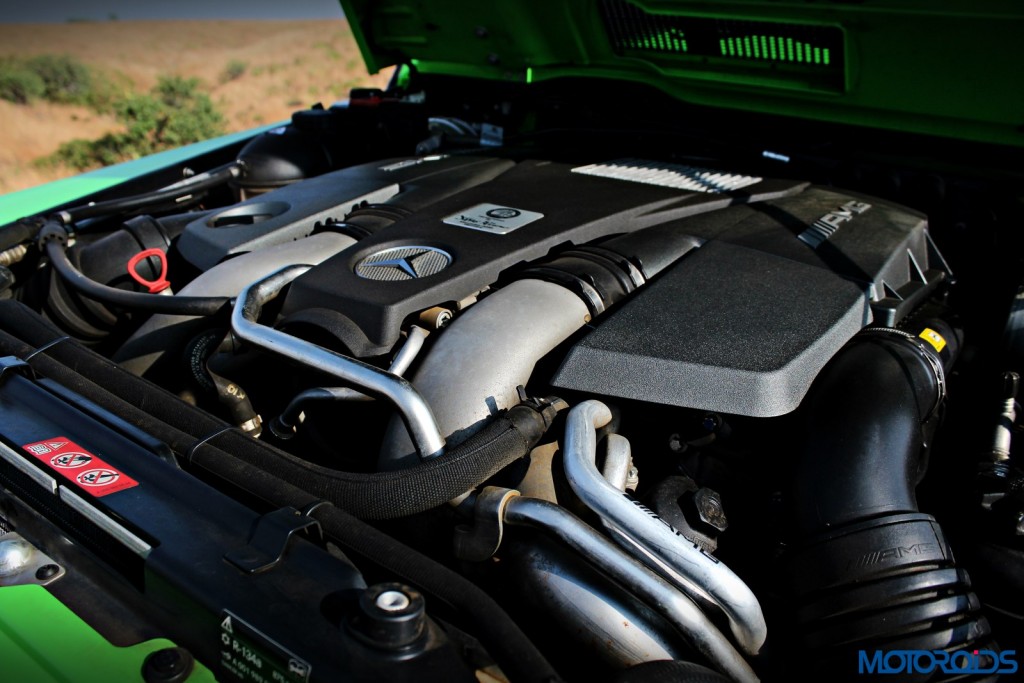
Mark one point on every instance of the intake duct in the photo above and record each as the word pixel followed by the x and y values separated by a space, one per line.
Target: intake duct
pixel 872 573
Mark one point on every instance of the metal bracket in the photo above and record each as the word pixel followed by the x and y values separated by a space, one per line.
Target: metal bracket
pixel 22 563
pixel 13 365
pixel 478 542
pixel 269 541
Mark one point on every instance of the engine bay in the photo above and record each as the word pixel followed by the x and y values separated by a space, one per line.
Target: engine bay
pixel 597 407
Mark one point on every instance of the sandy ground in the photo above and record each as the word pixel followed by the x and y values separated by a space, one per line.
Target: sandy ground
pixel 289 65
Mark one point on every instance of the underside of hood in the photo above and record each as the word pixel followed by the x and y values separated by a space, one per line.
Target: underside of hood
pixel 942 68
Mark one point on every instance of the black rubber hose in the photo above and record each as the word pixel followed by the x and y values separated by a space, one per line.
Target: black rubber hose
pixel 199 183
pixel 504 640
pixel 380 495
pixel 866 412
pixel 122 298
pixel 870 573
pixel 399 493
pixel 18 232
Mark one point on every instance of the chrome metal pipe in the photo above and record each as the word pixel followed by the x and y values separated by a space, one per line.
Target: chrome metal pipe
pixel 409 351
pixel 653 541
pixel 594 616
pixel 650 588
pixel 418 418
pixel 617 458
pixel 283 426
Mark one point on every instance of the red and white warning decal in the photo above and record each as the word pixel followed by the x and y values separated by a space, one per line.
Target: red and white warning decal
pixel 44 447
pixel 90 473
pixel 71 460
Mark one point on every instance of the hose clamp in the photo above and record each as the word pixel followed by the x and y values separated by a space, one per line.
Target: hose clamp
pixel 933 362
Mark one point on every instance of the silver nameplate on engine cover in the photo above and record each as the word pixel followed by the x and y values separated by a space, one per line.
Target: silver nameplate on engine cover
pixel 500 220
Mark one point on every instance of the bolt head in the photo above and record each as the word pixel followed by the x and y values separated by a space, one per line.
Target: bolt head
pixel 170 665
pixel 47 572
pixel 710 509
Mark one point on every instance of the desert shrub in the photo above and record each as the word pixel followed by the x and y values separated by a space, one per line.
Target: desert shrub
pixel 55 78
pixel 18 84
pixel 65 79
pixel 172 114
pixel 233 71
pixel 85 154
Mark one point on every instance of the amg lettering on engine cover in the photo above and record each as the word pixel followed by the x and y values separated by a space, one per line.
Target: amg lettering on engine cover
pixel 826 226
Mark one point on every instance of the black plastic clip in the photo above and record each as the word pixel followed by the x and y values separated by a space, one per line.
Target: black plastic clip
pixel 13 365
pixel 269 541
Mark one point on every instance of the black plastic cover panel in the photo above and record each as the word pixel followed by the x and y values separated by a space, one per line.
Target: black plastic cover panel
pixel 743 324
pixel 728 329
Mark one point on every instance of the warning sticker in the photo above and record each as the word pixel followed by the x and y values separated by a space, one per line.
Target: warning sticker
pixel 934 338
pixel 44 447
pixel 252 657
pixel 71 461
pixel 88 472
pixel 493 218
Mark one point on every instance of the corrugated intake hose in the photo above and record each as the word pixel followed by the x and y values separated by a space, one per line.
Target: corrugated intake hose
pixel 382 495
pixel 145 405
pixel 873 576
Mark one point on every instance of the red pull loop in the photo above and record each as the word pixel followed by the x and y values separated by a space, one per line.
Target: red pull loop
pixel 154 286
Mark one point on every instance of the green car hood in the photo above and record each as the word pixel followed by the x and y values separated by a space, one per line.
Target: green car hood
pixel 938 67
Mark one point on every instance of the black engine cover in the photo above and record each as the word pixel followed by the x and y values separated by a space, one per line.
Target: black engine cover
pixel 462 244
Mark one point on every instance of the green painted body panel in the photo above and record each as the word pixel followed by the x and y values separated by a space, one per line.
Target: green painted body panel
pixel 38 199
pixel 42 641
pixel 946 68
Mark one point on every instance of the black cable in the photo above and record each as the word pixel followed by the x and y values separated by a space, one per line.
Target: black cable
pixel 199 183
pixel 122 298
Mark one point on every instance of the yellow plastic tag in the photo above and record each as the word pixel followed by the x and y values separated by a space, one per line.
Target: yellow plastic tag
pixel 933 338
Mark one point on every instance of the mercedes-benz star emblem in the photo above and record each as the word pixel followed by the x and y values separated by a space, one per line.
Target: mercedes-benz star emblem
pixel 403 263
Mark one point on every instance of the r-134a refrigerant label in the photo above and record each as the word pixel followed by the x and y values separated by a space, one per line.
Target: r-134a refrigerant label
pixel 252 657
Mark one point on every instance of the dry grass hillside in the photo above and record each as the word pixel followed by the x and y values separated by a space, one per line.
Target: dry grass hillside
pixel 255 72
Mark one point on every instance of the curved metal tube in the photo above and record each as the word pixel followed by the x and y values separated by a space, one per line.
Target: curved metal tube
pixel 285 422
pixel 678 609
pixel 592 614
pixel 617 458
pixel 160 332
pixel 415 412
pixel 654 542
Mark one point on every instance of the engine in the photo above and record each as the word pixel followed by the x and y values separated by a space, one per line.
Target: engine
pixel 455 415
